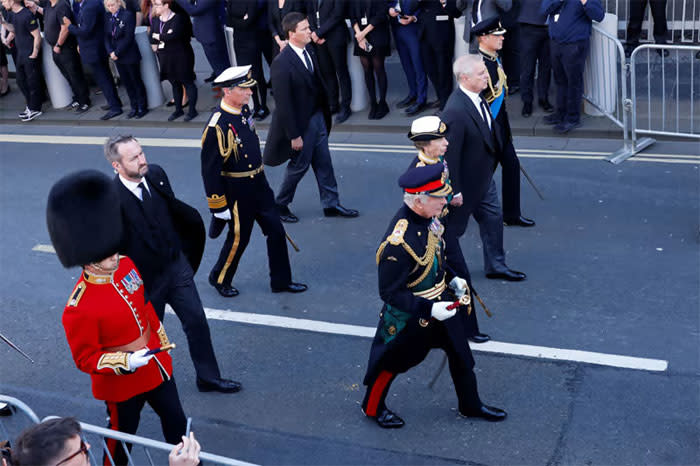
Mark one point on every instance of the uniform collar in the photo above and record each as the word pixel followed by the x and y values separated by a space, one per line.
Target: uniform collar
pixel 98 279
pixel 488 55
pixel 425 159
pixel 229 108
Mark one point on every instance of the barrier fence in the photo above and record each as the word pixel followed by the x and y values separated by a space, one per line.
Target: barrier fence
pixel 144 450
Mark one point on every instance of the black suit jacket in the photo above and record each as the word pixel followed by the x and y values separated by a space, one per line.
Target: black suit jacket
pixel 472 153
pixel 236 11
pixel 377 14
pixel 275 15
pixel 119 37
pixel 186 220
pixel 436 23
pixel 331 16
pixel 293 86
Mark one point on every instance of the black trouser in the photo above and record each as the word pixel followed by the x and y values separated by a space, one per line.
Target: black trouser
pixel 103 77
pixel 130 74
pixel 191 89
pixel 253 201
pixel 510 179
pixel 534 48
pixel 333 61
pixel 250 52
pixel 634 27
pixel 568 62
pixel 437 63
pixel 459 266
pixel 510 54
pixel 175 286
pixel 124 416
pixel 68 63
pixel 28 75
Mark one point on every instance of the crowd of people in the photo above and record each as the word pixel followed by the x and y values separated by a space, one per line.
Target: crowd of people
pixel 91 39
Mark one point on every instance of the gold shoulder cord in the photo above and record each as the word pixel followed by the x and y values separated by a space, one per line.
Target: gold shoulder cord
pixel 427 260
pixel 226 147
pixel 493 94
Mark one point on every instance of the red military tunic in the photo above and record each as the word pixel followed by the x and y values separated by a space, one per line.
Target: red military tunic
pixel 105 319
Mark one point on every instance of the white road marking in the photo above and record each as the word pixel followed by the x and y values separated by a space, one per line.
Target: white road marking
pixel 350 147
pixel 537 352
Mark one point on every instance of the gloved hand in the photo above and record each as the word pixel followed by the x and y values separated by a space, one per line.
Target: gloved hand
pixel 459 285
pixel 139 359
pixel 225 215
pixel 440 312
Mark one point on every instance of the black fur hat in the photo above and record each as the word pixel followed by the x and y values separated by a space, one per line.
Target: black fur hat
pixel 84 218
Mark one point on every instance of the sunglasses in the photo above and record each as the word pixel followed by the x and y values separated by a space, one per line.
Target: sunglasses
pixel 83 449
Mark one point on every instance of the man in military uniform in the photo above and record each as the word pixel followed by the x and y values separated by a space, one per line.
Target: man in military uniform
pixel 418 288
pixel 236 188
pixel 429 136
pixel 489 34
pixel 110 326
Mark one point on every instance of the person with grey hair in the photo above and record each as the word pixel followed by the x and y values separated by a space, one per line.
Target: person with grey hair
pixel 476 147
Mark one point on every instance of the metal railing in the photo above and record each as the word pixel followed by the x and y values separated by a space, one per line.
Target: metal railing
pixel 144 451
pixel 682 18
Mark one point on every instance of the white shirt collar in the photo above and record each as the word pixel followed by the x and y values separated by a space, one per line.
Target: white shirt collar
pixel 473 96
pixel 134 186
pixel 299 52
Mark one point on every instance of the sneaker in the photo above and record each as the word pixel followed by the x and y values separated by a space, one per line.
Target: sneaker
pixel 74 105
pixel 24 113
pixel 31 115
pixel 82 109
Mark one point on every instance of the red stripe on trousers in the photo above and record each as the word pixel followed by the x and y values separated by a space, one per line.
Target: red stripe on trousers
pixel 375 395
pixel 113 425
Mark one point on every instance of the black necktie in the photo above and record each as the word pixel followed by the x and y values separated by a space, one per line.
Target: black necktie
pixel 486 113
pixel 146 198
pixel 309 66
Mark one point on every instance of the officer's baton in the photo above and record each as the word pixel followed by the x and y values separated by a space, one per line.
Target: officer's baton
pixel 296 248
pixel 15 347
pixel 532 183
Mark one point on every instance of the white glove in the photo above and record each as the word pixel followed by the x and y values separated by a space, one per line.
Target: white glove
pixel 440 312
pixel 225 215
pixel 459 285
pixel 139 359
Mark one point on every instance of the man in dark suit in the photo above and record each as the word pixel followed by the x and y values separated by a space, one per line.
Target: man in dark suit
pixel 90 33
pixel 436 32
pixel 301 122
pixel 330 36
pixel 474 150
pixel 208 28
pixel 165 239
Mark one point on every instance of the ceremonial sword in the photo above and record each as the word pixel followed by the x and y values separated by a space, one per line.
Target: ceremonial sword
pixel 15 347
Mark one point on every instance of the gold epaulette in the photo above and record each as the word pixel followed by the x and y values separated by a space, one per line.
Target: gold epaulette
pixel 217 202
pixel 76 295
pixel 117 361
pixel 395 238
pixel 212 123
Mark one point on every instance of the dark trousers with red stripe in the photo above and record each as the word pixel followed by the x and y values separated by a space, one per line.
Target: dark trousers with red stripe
pixel 124 416
pixel 462 375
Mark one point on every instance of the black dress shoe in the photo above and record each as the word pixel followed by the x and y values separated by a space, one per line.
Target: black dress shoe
pixel 211 78
pixel 111 114
pixel 519 222
pixel 290 288
pixel 416 108
pixel 190 116
pixel 227 291
pixel 6 410
pixel 132 113
pixel 479 338
pixel 175 115
pixel 286 215
pixel 261 113
pixel 343 115
pixel 389 420
pixel 218 385
pixel 546 106
pixel 406 101
pixel 141 113
pixel 486 412
pixel 340 211
pixel 527 109
pixel 382 110
pixel 553 119
pixel 510 275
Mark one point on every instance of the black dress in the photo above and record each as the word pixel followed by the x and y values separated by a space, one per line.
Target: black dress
pixel 175 54
pixel 376 14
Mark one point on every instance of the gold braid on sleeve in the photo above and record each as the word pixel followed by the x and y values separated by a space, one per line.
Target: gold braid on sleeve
pixel 117 361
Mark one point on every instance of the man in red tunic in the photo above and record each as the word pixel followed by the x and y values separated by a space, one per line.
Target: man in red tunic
pixel 109 324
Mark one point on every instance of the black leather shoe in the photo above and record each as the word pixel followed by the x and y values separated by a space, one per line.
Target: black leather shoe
pixel 343 115
pixel 132 114
pixel 286 215
pixel 141 113
pixel 519 222
pixel 415 108
pixel 211 78
pixel 175 115
pixel 111 114
pixel 340 211
pixel 566 126
pixel 546 106
pixel 190 116
pixel 479 338
pixel 389 420
pixel 290 288
pixel 382 111
pixel 510 275
pixel 486 412
pixel 552 119
pixel 218 385
pixel 261 113
pixel 527 109
pixel 6 410
pixel 227 291
pixel 406 101
pixel 434 104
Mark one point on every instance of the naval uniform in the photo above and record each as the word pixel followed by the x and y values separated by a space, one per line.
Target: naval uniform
pixel 412 276
pixel 495 95
pixel 234 180
pixel 106 318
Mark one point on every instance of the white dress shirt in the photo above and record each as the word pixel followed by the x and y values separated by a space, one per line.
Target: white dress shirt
pixel 300 53
pixel 476 100
pixel 134 186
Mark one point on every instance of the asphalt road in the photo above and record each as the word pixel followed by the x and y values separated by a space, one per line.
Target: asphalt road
pixel 613 267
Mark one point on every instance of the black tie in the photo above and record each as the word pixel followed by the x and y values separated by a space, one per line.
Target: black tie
pixel 486 113
pixel 308 62
pixel 146 198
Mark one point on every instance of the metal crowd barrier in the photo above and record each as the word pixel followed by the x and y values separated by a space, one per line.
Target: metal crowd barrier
pixel 682 18
pixel 144 450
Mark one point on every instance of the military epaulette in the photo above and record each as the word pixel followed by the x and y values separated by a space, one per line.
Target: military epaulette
pixel 76 295
pixel 395 238
pixel 214 119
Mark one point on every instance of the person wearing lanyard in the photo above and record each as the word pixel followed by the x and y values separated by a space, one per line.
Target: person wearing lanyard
pixel 122 49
